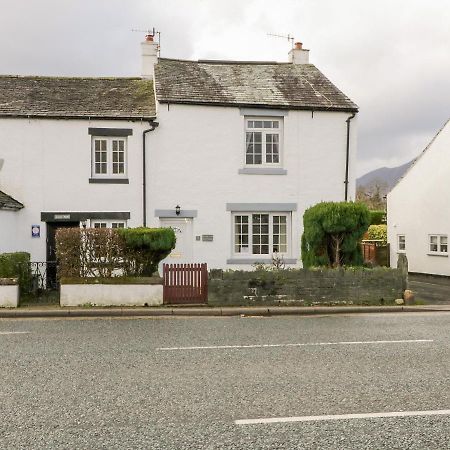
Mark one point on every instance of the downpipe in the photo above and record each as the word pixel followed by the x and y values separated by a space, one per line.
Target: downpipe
pixel 153 126
pixel 347 155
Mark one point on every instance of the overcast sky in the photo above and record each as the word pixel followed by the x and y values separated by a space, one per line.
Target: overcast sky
pixel 390 57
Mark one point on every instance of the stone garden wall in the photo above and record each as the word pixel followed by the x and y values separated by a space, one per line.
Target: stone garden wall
pixel 350 286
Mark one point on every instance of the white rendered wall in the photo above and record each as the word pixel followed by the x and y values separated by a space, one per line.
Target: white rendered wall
pixel 195 154
pixel 418 207
pixel 111 294
pixel 8 230
pixel 9 296
pixel 47 167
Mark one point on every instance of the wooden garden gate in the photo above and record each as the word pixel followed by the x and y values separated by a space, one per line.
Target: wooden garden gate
pixel 185 283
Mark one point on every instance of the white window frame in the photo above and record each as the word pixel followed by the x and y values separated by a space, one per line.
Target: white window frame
pixel 109 157
pixel 401 250
pixel 108 223
pixel 441 243
pixel 271 253
pixel 265 132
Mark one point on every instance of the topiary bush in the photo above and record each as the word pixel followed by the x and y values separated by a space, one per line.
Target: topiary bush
pixel 332 233
pixel 153 245
pixel 16 265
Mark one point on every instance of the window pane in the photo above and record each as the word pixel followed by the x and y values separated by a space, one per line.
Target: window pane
pixel 260 230
pixel 258 124
pixel 267 124
pixel 241 234
pixel 118 154
pixel 272 148
pixel 279 234
pixel 250 124
pixel 443 247
pixel 100 157
pixel 275 124
pixel 433 243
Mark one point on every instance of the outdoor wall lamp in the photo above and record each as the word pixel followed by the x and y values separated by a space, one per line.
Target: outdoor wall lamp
pixel 177 210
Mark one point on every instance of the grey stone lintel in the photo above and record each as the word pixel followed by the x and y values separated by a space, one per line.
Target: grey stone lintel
pixel 261 207
pixel 184 213
pixel 67 216
pixel 114 132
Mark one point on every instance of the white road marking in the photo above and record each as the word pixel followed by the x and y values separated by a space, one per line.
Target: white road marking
pixel 14 332
pixel 439 412
pixel 308 344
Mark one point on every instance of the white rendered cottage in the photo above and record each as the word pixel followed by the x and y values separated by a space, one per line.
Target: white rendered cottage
pixel 71 155
pixel 241 150
pixel 418 212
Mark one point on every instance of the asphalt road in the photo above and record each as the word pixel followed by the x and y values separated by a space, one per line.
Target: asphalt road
pixel 133 384
pixel 430 289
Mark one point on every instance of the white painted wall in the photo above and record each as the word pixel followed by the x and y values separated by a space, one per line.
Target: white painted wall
pixel 47 167
pixel 9 221
pixel 9 296
pixel 195 154
pixel 111 294
pixel 418 207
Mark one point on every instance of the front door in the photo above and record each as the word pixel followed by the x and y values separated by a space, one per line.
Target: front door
pixel 52 227
pixel 182 253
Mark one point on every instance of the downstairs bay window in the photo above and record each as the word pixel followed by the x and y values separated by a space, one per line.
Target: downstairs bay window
pixel 261 234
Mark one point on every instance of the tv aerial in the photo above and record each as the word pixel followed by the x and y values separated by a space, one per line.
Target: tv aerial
pixel 289 37
pixel 151 32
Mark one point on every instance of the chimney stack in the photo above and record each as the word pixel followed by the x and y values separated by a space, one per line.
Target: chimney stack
pixel 149 57
pixel 299 55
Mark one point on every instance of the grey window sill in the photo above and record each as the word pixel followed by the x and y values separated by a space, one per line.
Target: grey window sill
pixel 445 255
pixel 258 260
pixel 109 180
pixel 262 171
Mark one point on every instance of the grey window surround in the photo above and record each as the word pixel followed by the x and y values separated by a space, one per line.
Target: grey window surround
pixel 262 112
pixel 109 181
pixel 259 260
pixel 262 171
pixel 114 132
pixel 442 255
pixel 170 213
pixel 261 207
pixel 77 216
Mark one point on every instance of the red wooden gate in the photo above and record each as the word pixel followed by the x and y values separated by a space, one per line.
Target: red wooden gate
pixel 185 283
pixel 369 251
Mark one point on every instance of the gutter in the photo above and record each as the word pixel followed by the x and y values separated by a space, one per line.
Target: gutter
pixel 347 155
pixel 153 126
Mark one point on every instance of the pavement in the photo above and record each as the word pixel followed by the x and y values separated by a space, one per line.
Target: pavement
pixel 57 311
pixel 430 288
pixel 196 382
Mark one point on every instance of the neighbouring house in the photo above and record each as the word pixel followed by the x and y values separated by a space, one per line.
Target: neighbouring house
pixel 418 216
pixel 228 153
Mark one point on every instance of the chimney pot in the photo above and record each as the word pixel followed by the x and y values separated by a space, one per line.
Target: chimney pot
pixel 149 37
pixel 298 45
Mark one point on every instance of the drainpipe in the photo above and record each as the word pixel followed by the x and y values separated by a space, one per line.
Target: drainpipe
pixel 347 155
pixel 153 125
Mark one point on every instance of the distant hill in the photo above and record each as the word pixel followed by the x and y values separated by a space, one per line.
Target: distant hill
pixel 387 176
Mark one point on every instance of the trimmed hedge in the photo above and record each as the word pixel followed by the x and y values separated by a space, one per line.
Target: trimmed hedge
pixel 16 265
pixel 106 252
pixel 332 233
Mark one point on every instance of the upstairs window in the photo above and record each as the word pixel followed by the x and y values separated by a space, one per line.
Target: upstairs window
pixel 263 142
pixel 438 244
pixel 109 157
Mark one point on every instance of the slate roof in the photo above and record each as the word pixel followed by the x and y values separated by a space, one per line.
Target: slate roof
pixel 63 97
pixel 251 84
pixel 7 202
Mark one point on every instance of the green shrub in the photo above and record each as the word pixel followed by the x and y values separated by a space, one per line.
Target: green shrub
pixel 377 217
pixel 332 232
pixel 16 265
pixel 153 244
pixel 377 232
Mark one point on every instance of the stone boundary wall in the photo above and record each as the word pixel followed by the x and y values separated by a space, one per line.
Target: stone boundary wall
pixel 349 286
